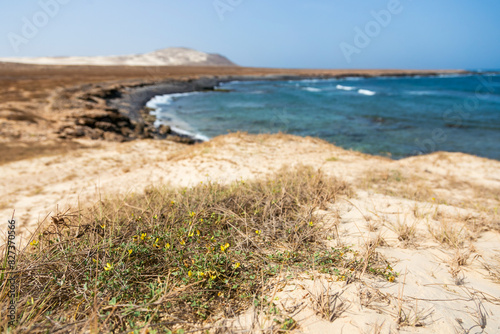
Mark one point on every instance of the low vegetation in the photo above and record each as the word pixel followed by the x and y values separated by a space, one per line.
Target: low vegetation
pixel 175 259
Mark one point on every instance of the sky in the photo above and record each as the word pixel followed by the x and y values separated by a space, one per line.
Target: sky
pixel 403 34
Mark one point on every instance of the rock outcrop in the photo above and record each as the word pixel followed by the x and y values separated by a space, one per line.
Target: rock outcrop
pixel 116 112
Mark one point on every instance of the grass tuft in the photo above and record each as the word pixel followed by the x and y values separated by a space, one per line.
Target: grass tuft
pixel 174 259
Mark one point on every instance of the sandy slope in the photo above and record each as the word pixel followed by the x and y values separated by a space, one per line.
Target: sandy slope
pixel 442 289
pixel 164 57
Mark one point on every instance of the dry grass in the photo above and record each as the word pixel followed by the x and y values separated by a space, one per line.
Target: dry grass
pixel 410 315
pixel 373 298
pixel 413 316
pixel 376 328
pixel 493 268
pixel 456 262
pixel 477 223
pixel 10 152
pixel 450 233
pixel 396 183
pixel 407 233
pixel 327 304
pixel 448 190
pixel 171 259
pixel 191 151
pixel 372 225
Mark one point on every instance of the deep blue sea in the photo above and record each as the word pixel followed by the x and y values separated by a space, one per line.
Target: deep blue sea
pixel 396 117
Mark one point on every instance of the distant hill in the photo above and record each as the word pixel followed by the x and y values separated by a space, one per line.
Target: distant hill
pixel 164 57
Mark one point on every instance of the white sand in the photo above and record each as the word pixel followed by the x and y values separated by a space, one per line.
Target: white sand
pixel 165 57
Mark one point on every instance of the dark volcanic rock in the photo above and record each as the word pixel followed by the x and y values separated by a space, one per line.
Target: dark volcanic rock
pixel 117 112
pixel 164 129
pixel 181 139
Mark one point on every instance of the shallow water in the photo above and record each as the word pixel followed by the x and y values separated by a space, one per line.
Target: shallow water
pixel 396 117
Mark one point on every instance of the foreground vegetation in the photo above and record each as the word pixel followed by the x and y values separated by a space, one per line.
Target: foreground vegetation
pixel 171 260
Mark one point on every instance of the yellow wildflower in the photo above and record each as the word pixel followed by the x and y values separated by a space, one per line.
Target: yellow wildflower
pixel 155 217
pixel 143 236
pixel 183 242
pixel 224 247
pixel 190 234
pixel 103 226
pixel 236 265
pixel 190 273
pixel 108 266
pixel 135 237
pixel 167 245
pixel 130 252
pixel 391 279
pixel 257 232
pixel 172 203
pixel 311 224
pixel 192 213
pixel 34 243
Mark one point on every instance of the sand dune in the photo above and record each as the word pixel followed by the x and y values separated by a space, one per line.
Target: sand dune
pixel 400 206
pixel 164 57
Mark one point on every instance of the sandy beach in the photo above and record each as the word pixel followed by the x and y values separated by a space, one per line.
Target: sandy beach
pixel 71 136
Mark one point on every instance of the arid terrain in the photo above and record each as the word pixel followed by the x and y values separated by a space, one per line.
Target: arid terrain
pixel 72 136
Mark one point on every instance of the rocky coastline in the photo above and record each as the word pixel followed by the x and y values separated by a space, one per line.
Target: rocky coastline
pixel 118 112
pixel 108 103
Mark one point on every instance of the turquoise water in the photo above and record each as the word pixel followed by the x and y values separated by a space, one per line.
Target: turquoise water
pixel 396 117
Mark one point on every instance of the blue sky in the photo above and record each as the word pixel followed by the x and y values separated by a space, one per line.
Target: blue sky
pixel 278 33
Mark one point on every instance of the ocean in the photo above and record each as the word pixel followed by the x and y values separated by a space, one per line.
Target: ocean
pixel 389 116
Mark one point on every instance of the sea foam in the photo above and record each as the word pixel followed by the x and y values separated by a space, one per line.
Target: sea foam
pixel 345 87
pixel 176 124
pixel 166 99
pixel 312 89
pixel 366 92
